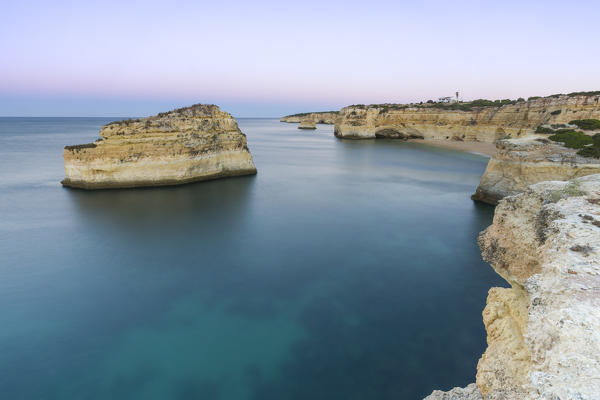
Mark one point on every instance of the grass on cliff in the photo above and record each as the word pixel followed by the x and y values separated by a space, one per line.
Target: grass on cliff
pixel 572 139
pixel 589 146
pixel 587 124
pixel 592 151
pixel 545 130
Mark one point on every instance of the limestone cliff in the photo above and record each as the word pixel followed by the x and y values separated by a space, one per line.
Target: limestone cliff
pixel 463 122
pixel 543 332
pixel 519 163
pixel 307 124
pixel 185 145
pixel 471 392
pixel 324 117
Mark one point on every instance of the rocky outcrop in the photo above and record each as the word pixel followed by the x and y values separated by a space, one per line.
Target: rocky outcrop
pixel 519 163
pixel 471 392
pixel 543 332
pixel 307 124
pixel 324 117
pixel 485 124
pixel 185 145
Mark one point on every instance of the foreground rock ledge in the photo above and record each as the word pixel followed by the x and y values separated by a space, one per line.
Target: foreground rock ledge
pixel 519 163
pixel 543 333
pixel 186 145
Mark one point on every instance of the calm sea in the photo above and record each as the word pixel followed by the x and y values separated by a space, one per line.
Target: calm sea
pixel 343 270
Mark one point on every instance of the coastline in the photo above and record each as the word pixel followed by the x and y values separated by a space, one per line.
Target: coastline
pixel 480 148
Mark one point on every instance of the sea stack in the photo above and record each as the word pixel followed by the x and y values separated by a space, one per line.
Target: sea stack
pixel 186 145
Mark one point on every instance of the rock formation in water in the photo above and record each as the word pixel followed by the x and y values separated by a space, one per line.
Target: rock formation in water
pixel 307 124
pixel 543 332
pixel 324 117
pixel 185 145
pixel 519 163
pixel 463 121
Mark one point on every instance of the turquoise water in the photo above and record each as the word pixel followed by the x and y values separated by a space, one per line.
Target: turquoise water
pixel 343 270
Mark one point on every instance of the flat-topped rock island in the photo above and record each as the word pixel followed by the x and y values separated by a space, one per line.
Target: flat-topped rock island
pixel 185 145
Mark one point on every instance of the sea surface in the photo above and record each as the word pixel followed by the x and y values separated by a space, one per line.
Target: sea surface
pixel 343 270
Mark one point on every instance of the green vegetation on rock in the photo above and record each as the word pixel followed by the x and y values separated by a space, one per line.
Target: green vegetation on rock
pixel 592 151
pixel 543 129
pixel 587 124
pixel 572 139
pixel 589 146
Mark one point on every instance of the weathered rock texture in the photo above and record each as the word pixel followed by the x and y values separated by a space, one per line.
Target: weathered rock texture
pixel 307 124
pixel 519 163
pixel 324 117
pixel 543 332
pixel 470 392
pixel 185 145
pixel 485 124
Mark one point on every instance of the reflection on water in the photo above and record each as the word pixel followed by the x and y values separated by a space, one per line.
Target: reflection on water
pixel 343 270
pixel 214 204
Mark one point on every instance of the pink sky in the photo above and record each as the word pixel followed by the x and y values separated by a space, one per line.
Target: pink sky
pixel 268 58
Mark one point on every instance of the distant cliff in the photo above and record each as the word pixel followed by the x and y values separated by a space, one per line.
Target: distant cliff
pixel 543 333
pixel 185 145
pixel 324 117
pixel 480 120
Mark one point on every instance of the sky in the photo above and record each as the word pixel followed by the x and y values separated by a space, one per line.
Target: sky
pixel 271 58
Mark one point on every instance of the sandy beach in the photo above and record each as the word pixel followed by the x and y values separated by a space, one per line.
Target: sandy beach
pixel 481 148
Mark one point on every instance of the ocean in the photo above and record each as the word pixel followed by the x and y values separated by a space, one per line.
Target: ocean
pixel 342 270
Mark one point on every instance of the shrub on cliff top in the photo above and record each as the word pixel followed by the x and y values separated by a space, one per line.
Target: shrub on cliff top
pixel 592 151
pixel 592 93
pixel 572 139
pixel 543 129
pixel 587 124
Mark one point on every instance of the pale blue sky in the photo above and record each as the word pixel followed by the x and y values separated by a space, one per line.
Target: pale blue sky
pixel 268 58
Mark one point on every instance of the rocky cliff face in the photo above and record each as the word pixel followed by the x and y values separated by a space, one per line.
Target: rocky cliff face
pixel 186 145
pixel 543 331
pixel 325 117
pixel 485 124
pixel 519 163
pixel 307 124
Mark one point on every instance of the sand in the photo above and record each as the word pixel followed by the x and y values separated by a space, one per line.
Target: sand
pixel 481 148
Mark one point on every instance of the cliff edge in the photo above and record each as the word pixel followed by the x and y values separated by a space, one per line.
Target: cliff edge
pixel 543 332
pixel 479 120
pixel 185 145
pixel 519 163
pixel 322 117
